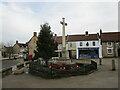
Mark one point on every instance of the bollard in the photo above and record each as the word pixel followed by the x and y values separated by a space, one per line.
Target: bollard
pixel 113 65
pixel 100 61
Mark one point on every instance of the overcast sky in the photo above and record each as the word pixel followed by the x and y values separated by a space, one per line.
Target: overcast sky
pixel 21 19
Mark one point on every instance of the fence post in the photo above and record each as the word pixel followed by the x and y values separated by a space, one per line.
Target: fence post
pixel 100 61
pixel 113 65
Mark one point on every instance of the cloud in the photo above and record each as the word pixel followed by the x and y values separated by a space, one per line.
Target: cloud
pixel 18 23
pixel 20 20
pixel 81 16
pixel 88 16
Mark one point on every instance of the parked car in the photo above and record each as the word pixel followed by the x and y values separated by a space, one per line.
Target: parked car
pixel 20 56
pixel 16 56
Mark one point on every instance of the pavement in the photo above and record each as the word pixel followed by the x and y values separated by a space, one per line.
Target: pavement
pixel 104 77
pixel 1 59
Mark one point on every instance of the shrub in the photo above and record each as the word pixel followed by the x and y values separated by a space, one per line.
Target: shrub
pixel 55 72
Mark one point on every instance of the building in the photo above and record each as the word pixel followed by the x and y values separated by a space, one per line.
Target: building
pixel 85 45
pixel 32 44
pixel 110 44
pixel 4 51
pixel 19 48
pixel 0 51
pixel 81 46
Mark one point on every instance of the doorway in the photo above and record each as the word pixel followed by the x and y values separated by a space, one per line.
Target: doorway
pixel 118 52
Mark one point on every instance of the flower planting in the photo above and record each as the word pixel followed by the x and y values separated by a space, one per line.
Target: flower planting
pixel 63 66
pixel 61 70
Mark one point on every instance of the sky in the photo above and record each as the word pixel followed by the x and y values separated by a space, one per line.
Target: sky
pixel 20 19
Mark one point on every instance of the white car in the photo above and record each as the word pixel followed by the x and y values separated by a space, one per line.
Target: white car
pixel 20 56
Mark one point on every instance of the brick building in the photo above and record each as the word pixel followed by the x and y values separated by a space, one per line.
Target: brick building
pixel 110 44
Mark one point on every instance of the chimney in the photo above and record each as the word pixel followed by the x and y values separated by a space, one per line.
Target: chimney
pixel 16 41
pixel 35 34
pixel 55 37
pixel 100 31
pixel 86 33
pixel 67 38
pixel 101 35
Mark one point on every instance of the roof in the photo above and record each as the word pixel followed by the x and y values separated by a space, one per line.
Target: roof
pixel 9 47
pixel 78 37
pixel 22 45
pixel 59 39
pixel 30 39
pixel 82 37
pixel 110 36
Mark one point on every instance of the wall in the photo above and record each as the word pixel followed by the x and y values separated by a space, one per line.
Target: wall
pixel 72 45
pixel 90 44
pixel 0 54
pixel 16 49
pixel 114 46
pixel 59 46
pixel 32 45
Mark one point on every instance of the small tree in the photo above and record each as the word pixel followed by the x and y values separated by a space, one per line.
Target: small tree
pixel 46 44
pixel 9 48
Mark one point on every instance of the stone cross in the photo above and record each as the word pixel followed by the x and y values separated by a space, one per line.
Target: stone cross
pixel 63 38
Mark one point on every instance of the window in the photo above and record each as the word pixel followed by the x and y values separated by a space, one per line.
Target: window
pixel 87 44
pixel 70 44
pixel 109 50
pixel 80 43
pixel 118 44
pixel 109 43
pixel 93 43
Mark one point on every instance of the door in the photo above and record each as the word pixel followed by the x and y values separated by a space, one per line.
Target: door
pixel 118 52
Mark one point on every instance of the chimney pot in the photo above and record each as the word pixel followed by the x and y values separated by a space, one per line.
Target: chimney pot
pixel 86 33
pixel 17 42
pixel 55 37
pixel 55 34
pixel 35 34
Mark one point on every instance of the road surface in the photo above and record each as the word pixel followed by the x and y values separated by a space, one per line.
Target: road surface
pixel 9 63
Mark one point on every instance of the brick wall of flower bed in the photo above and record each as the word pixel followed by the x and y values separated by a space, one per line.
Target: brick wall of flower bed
pixel 44 71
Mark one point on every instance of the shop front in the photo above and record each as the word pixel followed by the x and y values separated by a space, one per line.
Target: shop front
pixel 88 53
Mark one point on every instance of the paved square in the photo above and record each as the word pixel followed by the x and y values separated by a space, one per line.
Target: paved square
pixel 104 77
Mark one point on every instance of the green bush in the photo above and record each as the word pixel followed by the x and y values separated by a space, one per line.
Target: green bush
pixel 46 72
